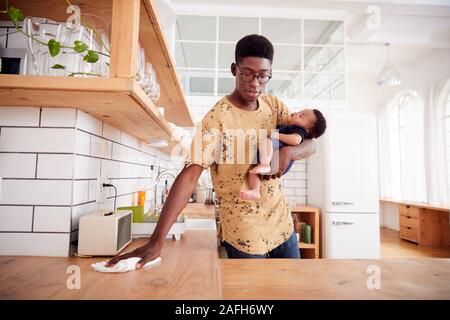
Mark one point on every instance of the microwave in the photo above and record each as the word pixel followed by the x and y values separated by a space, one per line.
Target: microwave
pixel 104 233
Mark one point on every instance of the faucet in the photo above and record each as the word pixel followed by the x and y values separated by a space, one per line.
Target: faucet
pixel 158 177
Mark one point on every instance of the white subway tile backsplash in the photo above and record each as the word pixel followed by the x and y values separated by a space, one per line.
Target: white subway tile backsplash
pixel 126 200
pixel 51 219
pixel 125 185
pixel 128 140
pixel 300 175
pixel 111 133
pixel 130 170
pixel 288 183
pixel 288 191
pixel 55 166
pixel 35 244
pixel 81 210
pixel 107 205
pixel 19 116
pixel 100 147
pixel 127 154
pixel 110 169
pixel 37 192
pixel 300 200
pixel 88 123
pixel 120 152
pixel 14 165
pixel 80 192
pixel 86 167
pixel 92 184
pixel 301 191
pixel 37 140
pixel 82 142
pixel 289 175
pixel 15 218
pixel 58 117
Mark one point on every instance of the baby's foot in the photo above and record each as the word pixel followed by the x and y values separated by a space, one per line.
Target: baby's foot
pixel 250 194
pixel 260 168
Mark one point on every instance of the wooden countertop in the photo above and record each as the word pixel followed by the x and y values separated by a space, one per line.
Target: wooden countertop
pixel 417 204
pixel 190 269
pixel 196 210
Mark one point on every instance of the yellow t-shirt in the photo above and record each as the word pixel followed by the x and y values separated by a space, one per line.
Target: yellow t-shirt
pixel 228 148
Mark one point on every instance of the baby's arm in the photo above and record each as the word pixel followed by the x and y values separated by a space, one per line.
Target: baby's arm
pixel 292 139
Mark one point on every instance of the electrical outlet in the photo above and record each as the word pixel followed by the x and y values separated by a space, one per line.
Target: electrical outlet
pixel 102 192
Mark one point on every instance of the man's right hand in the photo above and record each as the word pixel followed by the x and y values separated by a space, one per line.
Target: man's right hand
pixel 147 253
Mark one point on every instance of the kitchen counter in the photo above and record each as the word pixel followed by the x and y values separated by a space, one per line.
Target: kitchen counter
pixel 191 269
pixel 196 210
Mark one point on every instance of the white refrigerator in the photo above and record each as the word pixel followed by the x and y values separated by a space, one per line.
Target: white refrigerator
pixel 343 182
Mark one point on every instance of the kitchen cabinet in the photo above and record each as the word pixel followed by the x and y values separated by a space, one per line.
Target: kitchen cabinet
pixel 117 100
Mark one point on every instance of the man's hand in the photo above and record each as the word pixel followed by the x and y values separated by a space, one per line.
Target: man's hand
pixel 279 163
pixel 147 253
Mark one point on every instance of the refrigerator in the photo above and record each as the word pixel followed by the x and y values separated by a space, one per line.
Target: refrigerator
pixel 343 183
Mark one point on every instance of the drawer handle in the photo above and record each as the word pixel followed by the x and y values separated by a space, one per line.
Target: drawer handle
pixel 341 223
pixel 409 228
pixel 408 217
pixel 342 203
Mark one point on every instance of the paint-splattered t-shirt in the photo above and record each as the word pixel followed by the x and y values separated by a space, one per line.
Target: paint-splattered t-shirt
pixel 254 227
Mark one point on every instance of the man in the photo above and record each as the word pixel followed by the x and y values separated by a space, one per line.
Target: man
pixel 250 229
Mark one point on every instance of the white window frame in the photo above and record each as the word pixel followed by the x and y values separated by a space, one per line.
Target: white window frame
pixel 318 102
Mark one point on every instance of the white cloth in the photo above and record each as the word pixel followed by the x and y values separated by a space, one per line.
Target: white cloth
pixel 123 265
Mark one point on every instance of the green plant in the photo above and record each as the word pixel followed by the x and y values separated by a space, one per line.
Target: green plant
pixel 54 47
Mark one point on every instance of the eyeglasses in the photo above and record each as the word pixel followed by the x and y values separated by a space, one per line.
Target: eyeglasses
pixel 248 77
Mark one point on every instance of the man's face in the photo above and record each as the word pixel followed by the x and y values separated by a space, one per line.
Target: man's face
pixel 305 118
pixel 248 66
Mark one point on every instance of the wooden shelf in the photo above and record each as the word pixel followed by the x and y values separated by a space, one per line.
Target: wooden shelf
pixel 310 215
pixel 118 100
pixel 303 245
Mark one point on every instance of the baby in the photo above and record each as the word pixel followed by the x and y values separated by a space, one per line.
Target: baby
pixel 306 124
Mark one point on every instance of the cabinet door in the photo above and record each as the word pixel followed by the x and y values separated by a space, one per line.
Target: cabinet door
pixel 351 164
pixel 351 236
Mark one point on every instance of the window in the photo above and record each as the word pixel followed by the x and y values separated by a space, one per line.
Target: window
pixel 309 55
pixel 408 134
pixel 447 138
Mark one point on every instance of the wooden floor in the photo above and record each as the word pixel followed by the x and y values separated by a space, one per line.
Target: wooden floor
pixel 392 247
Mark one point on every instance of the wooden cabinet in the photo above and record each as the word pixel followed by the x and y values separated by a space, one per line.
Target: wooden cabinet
pixel 409 223
pixel 423 223
pixel 310 215
pixel 118 100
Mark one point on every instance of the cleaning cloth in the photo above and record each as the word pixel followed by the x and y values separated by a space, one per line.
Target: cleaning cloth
pixel 123 265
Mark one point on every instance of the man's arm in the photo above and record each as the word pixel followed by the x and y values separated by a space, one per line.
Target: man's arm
pixel 303 151
pixel 286 154
pixel 178 197
pixel 292 139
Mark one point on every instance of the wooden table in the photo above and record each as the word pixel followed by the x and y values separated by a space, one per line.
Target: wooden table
pixel 190 269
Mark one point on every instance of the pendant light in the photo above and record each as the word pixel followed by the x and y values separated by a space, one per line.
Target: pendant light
pixel 389 76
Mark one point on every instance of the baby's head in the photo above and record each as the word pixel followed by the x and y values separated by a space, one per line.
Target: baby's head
pixel 310 119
